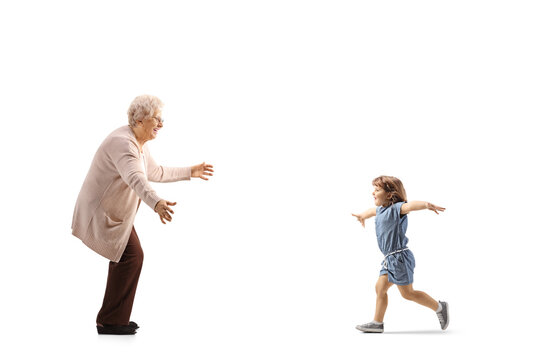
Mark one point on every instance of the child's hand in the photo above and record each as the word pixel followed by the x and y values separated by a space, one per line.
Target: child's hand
pixel 434 208
pixel 360 218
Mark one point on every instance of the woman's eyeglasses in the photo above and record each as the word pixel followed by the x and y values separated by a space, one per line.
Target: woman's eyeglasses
pixel 158 119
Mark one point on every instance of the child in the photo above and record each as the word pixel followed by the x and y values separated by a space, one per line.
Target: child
pixel 398 264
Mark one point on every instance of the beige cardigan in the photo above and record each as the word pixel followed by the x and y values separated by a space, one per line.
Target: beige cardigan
pixel 111 193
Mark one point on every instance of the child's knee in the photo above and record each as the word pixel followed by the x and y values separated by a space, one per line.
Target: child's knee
pixel 381 289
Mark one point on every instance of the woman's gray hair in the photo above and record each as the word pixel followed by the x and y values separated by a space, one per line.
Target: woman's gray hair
pixel 141 107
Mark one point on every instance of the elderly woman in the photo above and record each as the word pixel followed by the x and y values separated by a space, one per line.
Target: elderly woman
pixel 110 196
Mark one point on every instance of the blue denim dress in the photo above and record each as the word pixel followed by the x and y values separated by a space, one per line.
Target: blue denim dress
pixel 390 228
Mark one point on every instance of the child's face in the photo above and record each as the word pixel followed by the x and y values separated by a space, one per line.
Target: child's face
pixel 381 197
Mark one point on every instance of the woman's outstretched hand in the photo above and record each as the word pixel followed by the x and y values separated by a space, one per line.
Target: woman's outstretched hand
pixel 163 210
pixel 201 170
pixel 434 208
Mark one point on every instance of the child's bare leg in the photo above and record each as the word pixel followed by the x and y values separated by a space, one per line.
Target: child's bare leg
pixel 419 297
pixel 381 288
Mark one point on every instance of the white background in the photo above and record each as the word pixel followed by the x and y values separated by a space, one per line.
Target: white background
pixel 298 105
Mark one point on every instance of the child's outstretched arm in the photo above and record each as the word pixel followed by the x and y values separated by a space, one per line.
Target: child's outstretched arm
pixel 420 205
pixel 366 215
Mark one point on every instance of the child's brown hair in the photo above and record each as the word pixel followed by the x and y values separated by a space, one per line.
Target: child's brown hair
pixel 393 186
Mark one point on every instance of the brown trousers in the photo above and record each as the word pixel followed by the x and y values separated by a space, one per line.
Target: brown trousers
pixel 122 284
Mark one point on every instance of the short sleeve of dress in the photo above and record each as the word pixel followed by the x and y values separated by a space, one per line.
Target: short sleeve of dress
pixel 396 210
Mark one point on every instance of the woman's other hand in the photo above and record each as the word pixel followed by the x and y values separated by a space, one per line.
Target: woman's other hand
pixel 163 210
pixel 201 170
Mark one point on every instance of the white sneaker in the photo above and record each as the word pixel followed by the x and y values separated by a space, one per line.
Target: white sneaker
pixel 371 328
pixel 444 317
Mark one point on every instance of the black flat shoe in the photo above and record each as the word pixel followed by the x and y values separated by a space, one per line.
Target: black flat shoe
pixel 115 330
pixel 133 324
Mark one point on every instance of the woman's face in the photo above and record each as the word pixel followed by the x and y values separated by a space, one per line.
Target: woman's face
pixel 151 125
pixel 381 197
